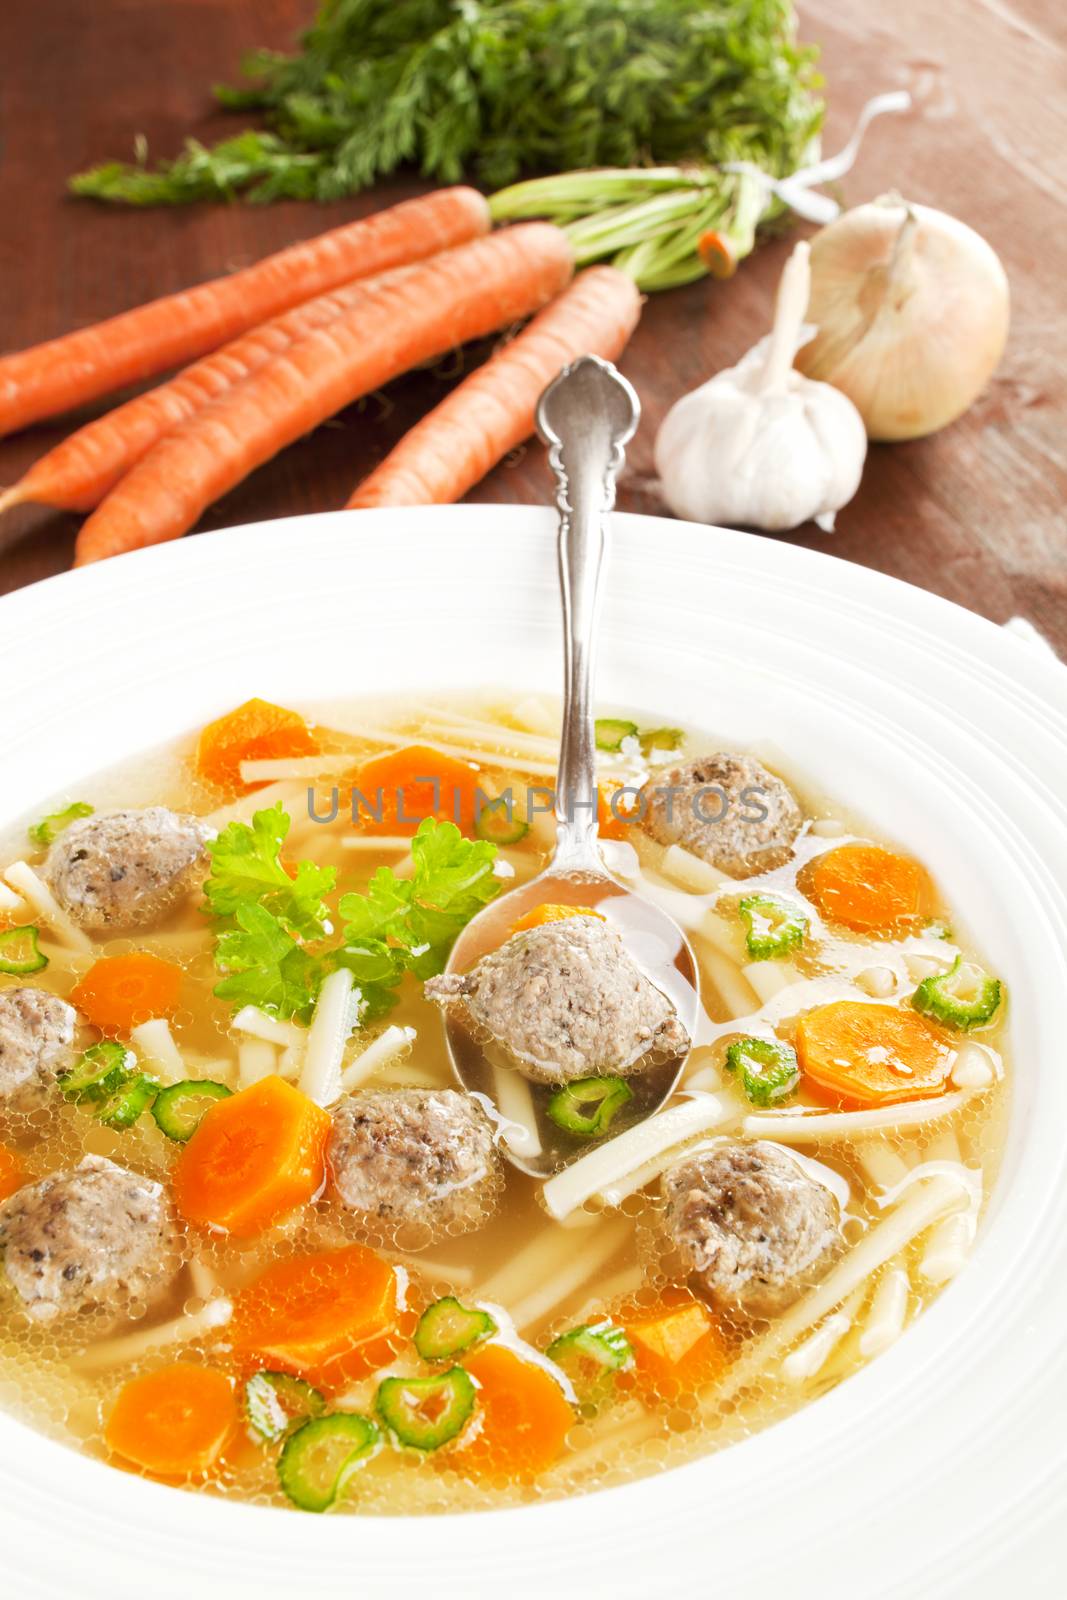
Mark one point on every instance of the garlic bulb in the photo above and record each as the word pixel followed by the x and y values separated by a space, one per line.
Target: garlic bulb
pixel 912 314
pixel 760 446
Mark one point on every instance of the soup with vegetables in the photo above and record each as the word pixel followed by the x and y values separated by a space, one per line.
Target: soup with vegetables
pixel 256 1240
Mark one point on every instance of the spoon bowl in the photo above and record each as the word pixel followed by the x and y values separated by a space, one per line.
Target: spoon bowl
pixel 585 416
pixel 657 946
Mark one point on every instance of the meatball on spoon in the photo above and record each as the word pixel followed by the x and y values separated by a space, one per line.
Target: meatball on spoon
pixel 531 1016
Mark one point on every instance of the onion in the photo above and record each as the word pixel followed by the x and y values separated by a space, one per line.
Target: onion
pixel 911 308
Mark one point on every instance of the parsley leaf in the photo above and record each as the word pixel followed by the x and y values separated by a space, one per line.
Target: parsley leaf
pixel 417 919
pixel 246 863
pixel 271 926
pixel 265 966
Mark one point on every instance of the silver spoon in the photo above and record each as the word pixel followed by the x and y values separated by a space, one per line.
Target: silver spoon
pixel 585 416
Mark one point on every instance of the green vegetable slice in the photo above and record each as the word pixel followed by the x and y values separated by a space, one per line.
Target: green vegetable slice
pixel 773 927
pixel 588 1106
pixel 320 1457
pixel 44 832
pixel 611 731
pixel 446 1328
pixel 275 1402
pixel 498 824
pixel 19 953
pixel 768 1069
pixel 963 997
pixel 661 739
pixel 591 1355
pixel 96 1074
pixel 125 1104
pixel 425 1413
pixel 179 1107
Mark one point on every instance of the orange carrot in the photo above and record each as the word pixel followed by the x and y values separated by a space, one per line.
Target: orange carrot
pixel 80 471
pixel 118 992
pixel 414 782
pixel 330 1316
pixel 492 411
pixel 461 294
pixel 66 372
pixel 12 1172
pixel 258 730
pixel 525 1417
pixel 552 913
pixel 677 1344
pixel 254 1157
pixel 860 1055
pixel 870 890
pixel 174 1422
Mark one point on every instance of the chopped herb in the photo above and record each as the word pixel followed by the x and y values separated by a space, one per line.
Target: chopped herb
pixel 963 997
pixel 773 927
pixel 45 831
pixel 769 1069
pixel 19 953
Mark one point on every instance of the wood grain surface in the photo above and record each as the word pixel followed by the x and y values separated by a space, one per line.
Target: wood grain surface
pixel 977 513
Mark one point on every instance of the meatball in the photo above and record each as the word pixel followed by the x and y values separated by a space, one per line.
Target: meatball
pixel 36 1042
pixel 415 1155
pixel 94 1237
pixel 566 1000
pixel 752 1226
pixel 727 809
pixel 125 867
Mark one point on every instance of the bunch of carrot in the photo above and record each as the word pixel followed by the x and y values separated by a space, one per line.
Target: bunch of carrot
pixel 278 348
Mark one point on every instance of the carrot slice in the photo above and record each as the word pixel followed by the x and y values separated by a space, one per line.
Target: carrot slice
pixel 870 890
pixel 118 992
pixel 525 1417
pixel 65 372
pixel 866 1055
pixel 330 1316
pixel 677 1345
pixel 174 1422
pixel 12 1172
pixel 552 913
pixel 254 1157
pixel 406 785
pixel 258 730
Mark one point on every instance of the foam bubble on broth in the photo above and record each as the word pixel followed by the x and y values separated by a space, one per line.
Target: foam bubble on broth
pixel 38 1384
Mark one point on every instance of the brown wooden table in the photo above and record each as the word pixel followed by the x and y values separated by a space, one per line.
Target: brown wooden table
pixel 976 513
